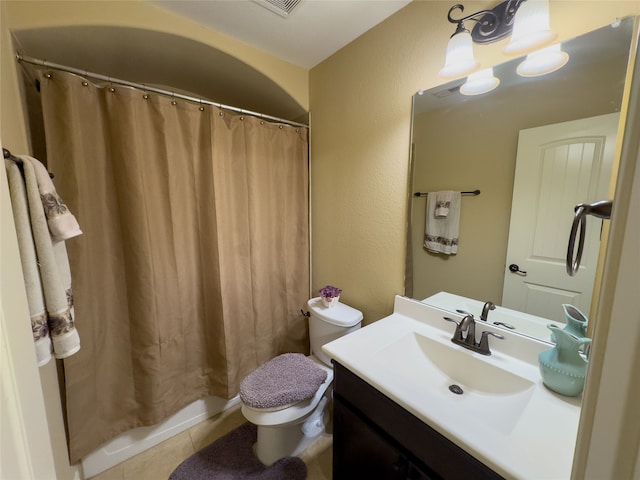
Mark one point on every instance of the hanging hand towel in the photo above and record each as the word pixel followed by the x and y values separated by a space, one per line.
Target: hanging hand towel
pixel 29 261
pixel 46 267
pixel 62 224
pixel 54 268
pixel 441 233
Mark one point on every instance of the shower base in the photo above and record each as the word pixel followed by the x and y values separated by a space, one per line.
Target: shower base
pixel 140 439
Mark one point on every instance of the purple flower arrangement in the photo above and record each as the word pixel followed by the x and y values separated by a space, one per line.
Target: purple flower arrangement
pixel 330 292
pixel 330 296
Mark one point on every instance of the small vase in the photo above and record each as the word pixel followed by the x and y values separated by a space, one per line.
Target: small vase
pixel 330 301
pixel 563 368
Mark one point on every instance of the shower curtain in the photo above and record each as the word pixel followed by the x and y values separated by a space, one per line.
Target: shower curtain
pixel 194 264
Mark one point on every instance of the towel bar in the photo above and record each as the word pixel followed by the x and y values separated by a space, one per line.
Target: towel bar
pixel 424 194
pixel 7 154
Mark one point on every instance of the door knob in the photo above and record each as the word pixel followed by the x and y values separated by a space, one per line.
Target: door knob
pixel 516 269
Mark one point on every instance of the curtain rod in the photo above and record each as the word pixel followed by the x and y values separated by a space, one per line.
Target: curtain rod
pixel 140 86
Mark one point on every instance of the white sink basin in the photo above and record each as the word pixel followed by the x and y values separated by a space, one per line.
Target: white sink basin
pixel 437 364
pixel 504 416
pixel 446 372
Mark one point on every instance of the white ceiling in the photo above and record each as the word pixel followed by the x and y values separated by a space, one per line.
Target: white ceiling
pixel 312 32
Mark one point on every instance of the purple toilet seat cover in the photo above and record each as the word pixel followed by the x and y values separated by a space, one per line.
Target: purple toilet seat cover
pixel 286 379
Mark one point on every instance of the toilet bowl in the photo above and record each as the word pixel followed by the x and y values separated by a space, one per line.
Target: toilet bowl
pixel 287 397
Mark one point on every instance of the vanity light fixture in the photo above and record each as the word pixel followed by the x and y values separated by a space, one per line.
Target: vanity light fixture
pixel 480 82
pixel 459 60
pixel 531 29
pixel 543 61
pixel 527 19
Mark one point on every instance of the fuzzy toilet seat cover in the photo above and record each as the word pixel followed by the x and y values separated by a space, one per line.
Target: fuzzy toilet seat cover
pixel 282 381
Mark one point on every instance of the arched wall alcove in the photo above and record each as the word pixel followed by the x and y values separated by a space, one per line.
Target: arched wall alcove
pixel 160 59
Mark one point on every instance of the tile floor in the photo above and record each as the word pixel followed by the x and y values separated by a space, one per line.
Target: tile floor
pixel 158 462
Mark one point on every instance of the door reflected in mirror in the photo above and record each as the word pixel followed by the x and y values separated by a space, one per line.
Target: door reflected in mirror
pixel 545 125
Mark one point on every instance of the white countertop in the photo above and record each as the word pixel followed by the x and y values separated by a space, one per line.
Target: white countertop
pixel 529 435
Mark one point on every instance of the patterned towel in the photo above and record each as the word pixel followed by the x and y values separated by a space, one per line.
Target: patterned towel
pixel 441 229
pixel 45 266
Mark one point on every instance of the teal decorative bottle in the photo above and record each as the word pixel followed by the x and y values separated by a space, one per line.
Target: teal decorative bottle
pixel 563 368
pixel 576 321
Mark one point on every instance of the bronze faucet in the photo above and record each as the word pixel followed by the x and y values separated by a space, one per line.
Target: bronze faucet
pixel 465 335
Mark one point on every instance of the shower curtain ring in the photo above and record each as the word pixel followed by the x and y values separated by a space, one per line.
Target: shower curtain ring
pixel 48 74
pixel 173 96
pixel 145 95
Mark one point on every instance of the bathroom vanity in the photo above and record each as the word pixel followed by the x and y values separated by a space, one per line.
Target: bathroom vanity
pixel 376 438
pixel 409 403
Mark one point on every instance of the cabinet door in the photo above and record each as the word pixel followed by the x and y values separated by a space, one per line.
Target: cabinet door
pixel 361 452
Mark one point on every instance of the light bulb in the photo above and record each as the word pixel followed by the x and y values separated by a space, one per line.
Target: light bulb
pixel 531 29
pixel 542 62
pixel 459 60
pixel 480 82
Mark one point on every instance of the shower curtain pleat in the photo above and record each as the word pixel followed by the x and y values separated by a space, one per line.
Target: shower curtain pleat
pixel 194 262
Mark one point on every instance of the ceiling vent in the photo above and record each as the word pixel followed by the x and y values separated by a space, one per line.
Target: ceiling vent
pixel 281 7
pixel 446 92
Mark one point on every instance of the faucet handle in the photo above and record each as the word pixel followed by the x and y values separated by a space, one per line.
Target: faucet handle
pixel 505 325
pixel 483 346
pixel 457 335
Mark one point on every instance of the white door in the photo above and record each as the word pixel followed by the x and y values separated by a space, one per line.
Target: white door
pixel 557 167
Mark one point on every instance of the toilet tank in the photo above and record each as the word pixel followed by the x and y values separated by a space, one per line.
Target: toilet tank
pixel 328 323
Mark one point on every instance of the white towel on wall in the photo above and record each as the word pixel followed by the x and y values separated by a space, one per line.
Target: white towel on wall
pixel 45 265
pixel 29 261
pixel 441 231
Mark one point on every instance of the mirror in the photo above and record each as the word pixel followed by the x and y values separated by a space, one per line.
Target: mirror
pixel 467 143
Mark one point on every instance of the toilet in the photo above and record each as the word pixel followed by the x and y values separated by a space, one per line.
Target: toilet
pixel 287 397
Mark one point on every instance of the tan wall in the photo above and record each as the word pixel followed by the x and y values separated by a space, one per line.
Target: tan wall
pixel 361 108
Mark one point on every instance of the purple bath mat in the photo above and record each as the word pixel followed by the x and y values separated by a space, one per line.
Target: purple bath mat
pixel 231 457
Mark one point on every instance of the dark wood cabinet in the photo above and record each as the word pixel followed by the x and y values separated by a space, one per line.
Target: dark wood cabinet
pixel 361 451
pixel 375 438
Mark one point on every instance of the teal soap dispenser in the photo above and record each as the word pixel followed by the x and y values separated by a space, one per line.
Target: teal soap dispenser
pixel 563 368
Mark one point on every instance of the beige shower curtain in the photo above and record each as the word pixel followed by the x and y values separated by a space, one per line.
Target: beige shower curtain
pixel 193 266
